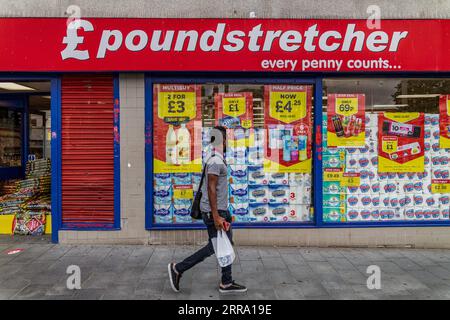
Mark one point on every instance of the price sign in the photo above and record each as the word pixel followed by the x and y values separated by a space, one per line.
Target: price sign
pixel 350 180
pixel 287 106
pixel 177 105
pixel 331 175
pixel 440 186
pixel 234 107
pixel 183 193
pixel 389 144
pixel 246 124
pixel 346 106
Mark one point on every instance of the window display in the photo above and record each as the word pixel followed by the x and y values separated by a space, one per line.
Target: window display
pixel 401 173
pixel 269 149
pixel 10 138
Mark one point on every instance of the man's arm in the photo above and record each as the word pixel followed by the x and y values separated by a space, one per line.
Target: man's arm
pixel 212 196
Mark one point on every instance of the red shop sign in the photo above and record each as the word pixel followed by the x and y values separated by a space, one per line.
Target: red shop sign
pixel 129 44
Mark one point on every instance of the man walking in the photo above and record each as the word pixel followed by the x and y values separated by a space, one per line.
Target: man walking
pixel 214 208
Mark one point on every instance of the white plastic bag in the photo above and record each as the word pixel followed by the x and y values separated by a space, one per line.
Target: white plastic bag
pixel 223 248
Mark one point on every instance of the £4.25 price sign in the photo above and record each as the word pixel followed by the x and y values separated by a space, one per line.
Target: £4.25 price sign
pixel 288 106
pixel 177 103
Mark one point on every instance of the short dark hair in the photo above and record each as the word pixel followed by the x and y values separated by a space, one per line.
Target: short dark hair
pixel 223 130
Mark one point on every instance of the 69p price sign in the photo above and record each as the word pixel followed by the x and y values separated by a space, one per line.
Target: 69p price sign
pixel 177 103
pixel 346 120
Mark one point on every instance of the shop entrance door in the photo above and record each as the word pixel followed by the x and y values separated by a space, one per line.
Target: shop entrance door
pixel 12 133
pixel 25 168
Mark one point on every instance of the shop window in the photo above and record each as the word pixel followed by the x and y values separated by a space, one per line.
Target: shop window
pixel 385 150
pixel 268 156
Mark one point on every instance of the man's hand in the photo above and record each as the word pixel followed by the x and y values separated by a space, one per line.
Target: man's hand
pixel 219 222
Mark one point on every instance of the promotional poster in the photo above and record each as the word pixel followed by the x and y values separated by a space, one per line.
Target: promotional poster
pixel 401 142
pixel 234 109
pixel 346 125
pixel 176 108
pixel 289 125
pixel 444 121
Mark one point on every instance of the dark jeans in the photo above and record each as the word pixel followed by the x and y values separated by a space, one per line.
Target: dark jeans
pixel 208 250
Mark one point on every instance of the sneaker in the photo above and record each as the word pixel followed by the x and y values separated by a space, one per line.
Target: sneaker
pixel 233 288
pixel 174 277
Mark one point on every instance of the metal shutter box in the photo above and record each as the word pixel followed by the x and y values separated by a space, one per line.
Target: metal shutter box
pixel 87 143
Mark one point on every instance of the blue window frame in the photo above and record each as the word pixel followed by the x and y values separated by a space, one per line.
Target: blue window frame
pixel 149 81
pixel 316 80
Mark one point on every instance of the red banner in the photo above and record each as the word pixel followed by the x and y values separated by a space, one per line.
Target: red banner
pixel 128 44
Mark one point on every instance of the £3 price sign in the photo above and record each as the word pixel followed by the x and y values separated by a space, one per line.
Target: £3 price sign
pixel 177 106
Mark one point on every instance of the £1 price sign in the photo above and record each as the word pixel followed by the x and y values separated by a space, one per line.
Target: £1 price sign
pixel 177 104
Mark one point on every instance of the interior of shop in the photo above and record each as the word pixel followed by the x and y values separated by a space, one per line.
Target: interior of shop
pixel 25 167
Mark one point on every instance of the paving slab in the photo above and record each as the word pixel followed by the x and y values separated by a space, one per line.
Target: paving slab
pixel 120 272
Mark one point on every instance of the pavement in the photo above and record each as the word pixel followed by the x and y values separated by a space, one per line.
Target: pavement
pixel 140 272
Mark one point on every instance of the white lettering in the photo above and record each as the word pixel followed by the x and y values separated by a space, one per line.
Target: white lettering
pixel 290 40
pixel 350 34
pixel 324 38
pixel 216 36
pixel 310 35
pixel 72 40
pixel 233 38
pixel 155 44
pixel 377 41
pixel 182 35
pixel 254 35
pixel 142 43
pixel 271 35
pixel 396 37
pixel 105 45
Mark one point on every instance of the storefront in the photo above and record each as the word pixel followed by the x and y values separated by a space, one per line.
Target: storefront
pixel 336 131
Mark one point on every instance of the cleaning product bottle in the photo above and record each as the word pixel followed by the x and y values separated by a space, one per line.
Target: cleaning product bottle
pixel 171 146
pixel 183 145
pixel 302 147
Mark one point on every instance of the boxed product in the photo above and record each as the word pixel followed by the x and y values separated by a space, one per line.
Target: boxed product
pixel 162 195
pixel 334 200
pixel 333 161
pixel 353 215
pixel 334 215
pixel 257 176
pixel 278 194
pixel 240 212
pixel 182 211
pixel 162 213
pixel 333 187
pixel 258 212
pixel 258 194
pixel 238 174
pixel 181 178
pixel 279 212
pixel 238 193
pixel 299 195
pixel 162 179
pixel 279 178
